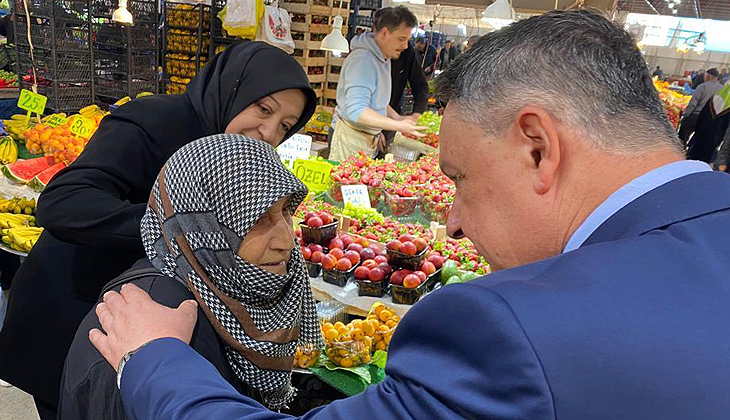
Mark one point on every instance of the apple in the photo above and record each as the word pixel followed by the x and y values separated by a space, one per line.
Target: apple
pixel 337 253
pixel 309 215
pixel 315 222
pixel 353 256
pixel 343 265
pixel 336 243
pixel 367 254
pixel 306 253
pixel 437 260
pixel 370 264
pixel 428 267
pixel 394 245
pixel 376 275
pixel 355 247
pixel 397 278
pixel 326 218
pixel 376 249
pixel 385 267
pixel 316 247
pixel 381 259
pixel 298 233
pixel 364 242
pixel 409 248
pixel 421 275
pixel 420 243
pixel 346 240
pixel 362 273
pixel 328 262
pixel 406 238
pixel 411 281
pixel 317 257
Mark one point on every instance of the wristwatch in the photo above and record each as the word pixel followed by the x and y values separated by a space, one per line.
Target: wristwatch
pixel 124 361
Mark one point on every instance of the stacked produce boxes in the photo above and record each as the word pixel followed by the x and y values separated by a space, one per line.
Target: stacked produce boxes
pixel 187 43
pixel 125 57
pixel 61 39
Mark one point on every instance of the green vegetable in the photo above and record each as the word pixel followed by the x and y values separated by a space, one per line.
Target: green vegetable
pixel 468 276
pixel 450 269
pixel 453 280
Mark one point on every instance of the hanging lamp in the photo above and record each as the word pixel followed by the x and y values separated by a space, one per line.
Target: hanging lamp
pixel 122 15
pixel 335 41
pixel 499 14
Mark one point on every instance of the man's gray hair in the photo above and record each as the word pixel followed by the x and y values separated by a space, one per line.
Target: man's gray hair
pixel 582 68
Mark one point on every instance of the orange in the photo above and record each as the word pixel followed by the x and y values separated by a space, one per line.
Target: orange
pixel 385 315
pixel 346 362
pixel 381 345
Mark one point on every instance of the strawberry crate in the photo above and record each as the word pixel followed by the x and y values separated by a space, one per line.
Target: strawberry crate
pixel 333 72
pixel 312 23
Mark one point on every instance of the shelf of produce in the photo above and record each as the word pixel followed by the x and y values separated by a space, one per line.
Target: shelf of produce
pixel 354 304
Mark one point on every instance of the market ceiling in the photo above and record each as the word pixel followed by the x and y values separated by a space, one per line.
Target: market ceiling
pixel 528 6
pixel 698 9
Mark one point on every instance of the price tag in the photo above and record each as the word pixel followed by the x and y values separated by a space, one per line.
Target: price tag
pixel 297 147
pixel 314 174
pixel 32 102
pixel 82 126
pixel 356 194
pixel 55 120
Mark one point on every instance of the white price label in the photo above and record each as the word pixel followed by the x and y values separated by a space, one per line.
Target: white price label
pixel 297 147
pixel 356 194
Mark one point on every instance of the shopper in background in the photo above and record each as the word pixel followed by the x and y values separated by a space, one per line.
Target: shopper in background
pixel 363 93
pixel 724 76
pixel 723 156
pixel 700 97
pixel 698 78
pixel 406 70
pixel 710 130
pixel 218 229
pixel 609 296
pixel 446 55
pixel 658 72
pixel 428 56
pixel 91 211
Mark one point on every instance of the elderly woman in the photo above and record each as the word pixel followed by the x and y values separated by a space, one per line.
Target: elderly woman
pixel 217 229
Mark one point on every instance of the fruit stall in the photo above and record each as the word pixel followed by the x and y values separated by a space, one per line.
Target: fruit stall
pixel 673 101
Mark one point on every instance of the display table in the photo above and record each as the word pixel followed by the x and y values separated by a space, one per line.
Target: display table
pixel 354 304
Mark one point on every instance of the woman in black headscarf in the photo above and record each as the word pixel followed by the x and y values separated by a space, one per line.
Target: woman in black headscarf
pixel 217 229
pixel 91 211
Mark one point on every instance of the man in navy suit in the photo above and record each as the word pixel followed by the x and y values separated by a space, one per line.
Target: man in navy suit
pixel 611 296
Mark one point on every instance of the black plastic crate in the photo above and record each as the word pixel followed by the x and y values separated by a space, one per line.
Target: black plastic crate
pixel 137 64
pixel 114 38
pixel 70 35
pixel 187 16
pixel 142 11
pixel 64 97
pixel 68 66
pixel 368 5
pixel 366 21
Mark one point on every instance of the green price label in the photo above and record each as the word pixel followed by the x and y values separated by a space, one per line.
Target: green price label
pixel 32 102
pixel 56 120
pixel 82 126
pixel 315 175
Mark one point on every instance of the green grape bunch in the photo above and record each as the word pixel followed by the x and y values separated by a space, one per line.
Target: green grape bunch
pixel 431 120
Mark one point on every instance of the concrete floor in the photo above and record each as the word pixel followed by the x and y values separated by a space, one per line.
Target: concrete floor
pixel 16 405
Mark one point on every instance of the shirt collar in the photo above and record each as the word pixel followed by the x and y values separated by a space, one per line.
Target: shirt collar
pixel 630 192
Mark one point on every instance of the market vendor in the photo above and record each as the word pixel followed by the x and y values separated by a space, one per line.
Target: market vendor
pixel 91 211
pixel 609 297
pixel 236 189
pixel 363 92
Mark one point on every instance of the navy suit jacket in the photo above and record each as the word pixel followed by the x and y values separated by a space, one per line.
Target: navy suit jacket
pixel 635 324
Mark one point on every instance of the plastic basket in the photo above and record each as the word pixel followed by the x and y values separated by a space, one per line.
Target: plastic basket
pixel 338 278
pixel 410 262
pixel 69 67
pixel 319 235
pixel 408 296
pixel 372 288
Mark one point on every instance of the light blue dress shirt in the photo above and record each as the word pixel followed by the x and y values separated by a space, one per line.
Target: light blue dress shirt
pixel 630 192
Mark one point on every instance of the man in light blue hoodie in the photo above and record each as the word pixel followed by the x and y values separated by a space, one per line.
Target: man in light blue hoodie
pixel 364 89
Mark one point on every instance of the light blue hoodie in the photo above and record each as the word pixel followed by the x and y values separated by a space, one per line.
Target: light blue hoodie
pixel 364 82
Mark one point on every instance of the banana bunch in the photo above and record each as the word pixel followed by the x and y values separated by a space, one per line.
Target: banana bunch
pixel 122 101
pixel 21 238
pixel 92 111
pixel 17 125
pixel 17 205
pixel 9 221
pixel 8 150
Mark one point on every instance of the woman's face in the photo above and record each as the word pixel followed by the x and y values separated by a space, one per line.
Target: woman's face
pixel 271 117
pixel 269 242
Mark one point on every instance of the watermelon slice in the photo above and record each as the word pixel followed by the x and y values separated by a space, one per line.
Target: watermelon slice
pixel 23 171
pixel 40 181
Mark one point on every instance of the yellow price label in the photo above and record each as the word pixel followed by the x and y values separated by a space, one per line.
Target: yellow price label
pixel 32 102
pixel 55 120
pixel 314 174
pixel 82 126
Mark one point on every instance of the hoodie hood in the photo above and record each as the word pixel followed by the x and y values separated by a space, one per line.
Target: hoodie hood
pixel 367 42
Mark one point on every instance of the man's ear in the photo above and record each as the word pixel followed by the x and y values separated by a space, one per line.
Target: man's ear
pixel 538 146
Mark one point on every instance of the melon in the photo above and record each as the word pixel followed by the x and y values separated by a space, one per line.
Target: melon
pixel 23 171
pixel 40 181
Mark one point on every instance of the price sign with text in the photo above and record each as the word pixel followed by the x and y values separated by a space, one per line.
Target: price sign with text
pixel 56 120
pixel 297 147
pixel 314 174
pixel 32 102
pixel 356 194
pixel 82 126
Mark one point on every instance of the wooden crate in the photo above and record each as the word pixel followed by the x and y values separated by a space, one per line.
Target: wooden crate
pixel 311 23
pixel 323 7
pixel 316 78
pixel 330 94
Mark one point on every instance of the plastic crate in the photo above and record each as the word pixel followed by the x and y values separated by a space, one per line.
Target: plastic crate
pixel 366 21
pixel 114 38
pixel 70 35
pixel 368 5
pixel 67 67
pixel 65 97
pixel 142 11
pixel 187 16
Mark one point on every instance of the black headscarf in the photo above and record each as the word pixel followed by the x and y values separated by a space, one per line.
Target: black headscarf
pixel 241 75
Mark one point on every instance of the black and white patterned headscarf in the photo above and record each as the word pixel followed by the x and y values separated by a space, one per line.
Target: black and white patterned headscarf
pixel 204 202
